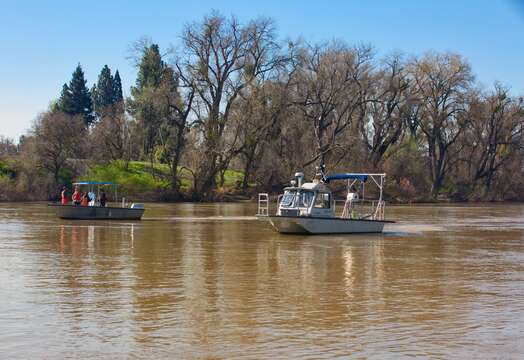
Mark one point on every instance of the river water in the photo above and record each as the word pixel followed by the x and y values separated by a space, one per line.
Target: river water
pixel 210 281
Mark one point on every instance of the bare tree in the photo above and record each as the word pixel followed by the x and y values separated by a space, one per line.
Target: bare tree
pixel 7 146
pixel 387 110
pixel 110 137
pixel 495 134
pixel 441 82
pixel 176 108
pixel 331 88
pixel 220 58
pixel 258 116
pixel 58 136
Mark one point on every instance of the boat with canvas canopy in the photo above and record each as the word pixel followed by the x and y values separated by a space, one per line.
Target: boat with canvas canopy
pixel 311 208
pixel 96 209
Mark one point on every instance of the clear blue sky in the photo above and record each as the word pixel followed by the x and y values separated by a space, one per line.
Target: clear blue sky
pixel 42 41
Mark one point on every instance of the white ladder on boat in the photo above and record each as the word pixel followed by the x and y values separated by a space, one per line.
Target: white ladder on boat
pixel 263 204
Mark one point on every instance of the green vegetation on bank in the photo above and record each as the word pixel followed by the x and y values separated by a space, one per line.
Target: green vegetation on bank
pixel 7 170
pixel 7 182
pixel 144 181
pixel 136 179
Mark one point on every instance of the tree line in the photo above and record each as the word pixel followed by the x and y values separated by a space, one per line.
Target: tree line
pixel 234 96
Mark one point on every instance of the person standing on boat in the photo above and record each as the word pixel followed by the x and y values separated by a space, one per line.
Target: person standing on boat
pixel 77 197
pixel 85 200
pixel 103 198
pixel 92 198
pixel 63 196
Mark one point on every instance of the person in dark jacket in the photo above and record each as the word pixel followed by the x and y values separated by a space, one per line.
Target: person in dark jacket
pixel 103 198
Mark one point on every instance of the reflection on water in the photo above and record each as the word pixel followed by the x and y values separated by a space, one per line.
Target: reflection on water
pixel 211 281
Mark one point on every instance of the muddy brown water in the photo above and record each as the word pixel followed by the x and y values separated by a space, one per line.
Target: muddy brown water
pixel 199 281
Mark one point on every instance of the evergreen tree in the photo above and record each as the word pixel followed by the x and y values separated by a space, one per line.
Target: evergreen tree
pixel 117 88
pixel 65 103
pixel 142 103
pixel 103 92
pixel 76 97
pixel 160 111
pixel 151 68
pixel 93 96
pixel 150 73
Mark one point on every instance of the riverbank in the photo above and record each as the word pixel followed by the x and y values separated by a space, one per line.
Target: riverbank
pixel 137 179
pixel 146 182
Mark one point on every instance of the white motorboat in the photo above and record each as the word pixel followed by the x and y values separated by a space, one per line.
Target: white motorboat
pixel 310 207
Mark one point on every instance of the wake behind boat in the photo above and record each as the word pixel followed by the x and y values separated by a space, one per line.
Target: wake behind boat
pixel 310 207
pixel 97 208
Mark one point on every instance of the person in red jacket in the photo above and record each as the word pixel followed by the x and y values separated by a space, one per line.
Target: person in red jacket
pixel 77 196
pixel 63 195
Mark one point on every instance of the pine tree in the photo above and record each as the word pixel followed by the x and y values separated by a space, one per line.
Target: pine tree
pixel 76 97
pixel 117 88
pixel 160 112
pixel 103 92
pixel 65 103
pixel 142 105
pixel 151 68
pixel 93 96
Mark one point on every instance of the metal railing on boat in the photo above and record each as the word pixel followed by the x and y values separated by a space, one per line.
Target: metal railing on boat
pixel 362 209
pixel 263 204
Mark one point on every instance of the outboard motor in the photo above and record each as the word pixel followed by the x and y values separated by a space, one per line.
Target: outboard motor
pixel 300 178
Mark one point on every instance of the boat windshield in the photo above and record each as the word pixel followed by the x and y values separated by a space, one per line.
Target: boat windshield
pixel 305 198
pixel 287 199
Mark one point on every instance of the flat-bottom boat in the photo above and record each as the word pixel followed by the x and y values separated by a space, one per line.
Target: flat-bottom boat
pixel 310 208
pixel 312 225
pixel 95 211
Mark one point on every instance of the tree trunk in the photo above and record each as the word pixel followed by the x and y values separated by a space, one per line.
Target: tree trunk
pixel 175 183
pixel 151 164
pixel 222 177
pixel 436 185
pixel 206 177
pixel 180 143
pixel 248 167
pixel 56 175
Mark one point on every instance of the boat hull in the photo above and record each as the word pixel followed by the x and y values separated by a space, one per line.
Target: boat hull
pixel 96 212
pixel 317 225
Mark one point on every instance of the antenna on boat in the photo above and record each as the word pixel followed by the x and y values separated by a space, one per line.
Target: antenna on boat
pixel 321 172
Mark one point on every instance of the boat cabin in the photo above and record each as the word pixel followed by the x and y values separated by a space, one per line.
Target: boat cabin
pixel 309 199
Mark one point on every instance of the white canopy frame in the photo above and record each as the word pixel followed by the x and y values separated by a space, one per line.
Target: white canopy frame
pixel 379 179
